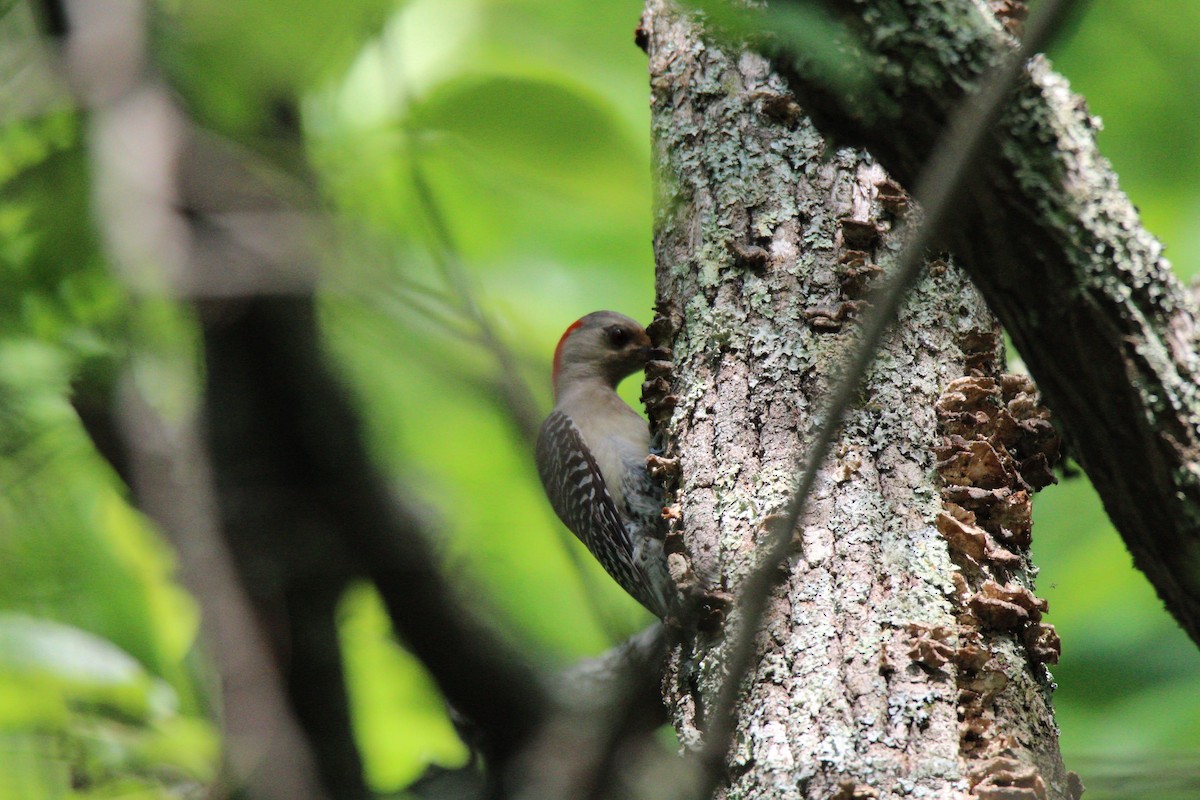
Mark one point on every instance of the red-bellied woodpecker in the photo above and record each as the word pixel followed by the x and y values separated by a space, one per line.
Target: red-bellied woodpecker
pixel 591 455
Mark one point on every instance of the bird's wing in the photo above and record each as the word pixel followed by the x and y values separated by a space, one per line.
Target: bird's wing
pixel 582 501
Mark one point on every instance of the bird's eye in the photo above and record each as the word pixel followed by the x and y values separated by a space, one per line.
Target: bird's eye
pixel 617 336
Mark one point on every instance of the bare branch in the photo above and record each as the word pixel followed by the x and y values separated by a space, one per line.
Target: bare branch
pixel 516 399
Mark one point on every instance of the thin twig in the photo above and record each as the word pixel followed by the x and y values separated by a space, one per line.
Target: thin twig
pixel 517 398
pixel 444 319
pixel 939 189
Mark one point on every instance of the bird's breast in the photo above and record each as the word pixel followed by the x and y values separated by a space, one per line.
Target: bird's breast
pixel 618 439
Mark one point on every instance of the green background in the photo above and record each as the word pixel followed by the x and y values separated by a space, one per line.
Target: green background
pixel 528 122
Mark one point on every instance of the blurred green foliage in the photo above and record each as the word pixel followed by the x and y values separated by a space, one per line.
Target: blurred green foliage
pixel 490 152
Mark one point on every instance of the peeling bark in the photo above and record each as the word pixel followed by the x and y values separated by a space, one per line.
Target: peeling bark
pixel 766 243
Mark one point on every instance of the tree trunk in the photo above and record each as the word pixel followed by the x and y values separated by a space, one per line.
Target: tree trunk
pixel 1057 249
pixel 902 652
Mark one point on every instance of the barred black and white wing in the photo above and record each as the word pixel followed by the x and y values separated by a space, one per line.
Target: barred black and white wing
pixel 580 497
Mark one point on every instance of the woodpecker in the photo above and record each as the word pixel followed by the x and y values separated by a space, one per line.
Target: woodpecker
pixel 591 456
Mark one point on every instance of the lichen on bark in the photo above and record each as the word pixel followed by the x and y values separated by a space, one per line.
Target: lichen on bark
pixel 767 243
pixel 1056 248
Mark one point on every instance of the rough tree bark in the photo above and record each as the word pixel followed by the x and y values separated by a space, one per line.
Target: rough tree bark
pixel 1057 250
pixel 902 653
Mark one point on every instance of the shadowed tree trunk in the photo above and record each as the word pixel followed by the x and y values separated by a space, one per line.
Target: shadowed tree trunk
pixel 902 653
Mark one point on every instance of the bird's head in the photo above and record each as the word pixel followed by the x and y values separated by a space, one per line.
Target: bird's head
pixel 604 345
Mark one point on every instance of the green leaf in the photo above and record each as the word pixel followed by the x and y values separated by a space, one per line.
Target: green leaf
pixel 539 129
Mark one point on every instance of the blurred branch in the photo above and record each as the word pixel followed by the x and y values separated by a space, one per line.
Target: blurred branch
pixel 601 745
pixel 518 399
pixel 264 352
pixel 173 486
pixel 606 706
pixel 642 656
pixel 292 493
pixel 165 460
